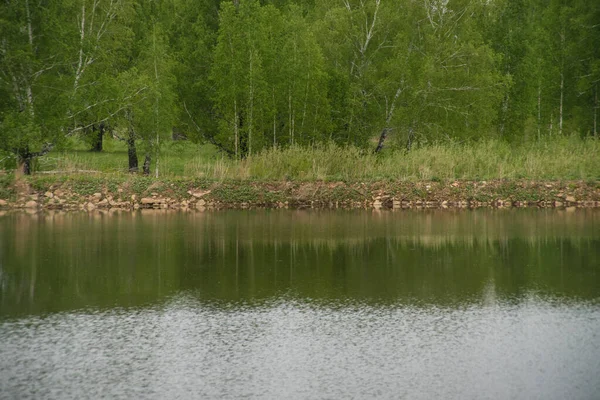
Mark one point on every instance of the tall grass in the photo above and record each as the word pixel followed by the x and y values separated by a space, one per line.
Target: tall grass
pixel 554 158
pixel 560 158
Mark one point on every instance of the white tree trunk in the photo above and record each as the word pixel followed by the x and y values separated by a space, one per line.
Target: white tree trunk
pixel 290 117
pixel 235 127
pixel 251 111
pixel 79 70
pixel 562 96
pixel 596 111
pixel 562 83
pixel 274 121
pixel 28 91
pixel 156 106
pixel 539 112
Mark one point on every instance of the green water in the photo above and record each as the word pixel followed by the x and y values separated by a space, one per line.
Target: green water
pixel 301 304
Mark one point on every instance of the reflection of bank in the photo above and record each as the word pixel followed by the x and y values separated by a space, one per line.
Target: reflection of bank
pixel 63 261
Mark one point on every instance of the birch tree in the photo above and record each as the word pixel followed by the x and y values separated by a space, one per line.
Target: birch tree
pixel 30 58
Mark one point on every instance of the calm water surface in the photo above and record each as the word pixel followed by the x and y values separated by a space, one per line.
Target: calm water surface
pixel 297 304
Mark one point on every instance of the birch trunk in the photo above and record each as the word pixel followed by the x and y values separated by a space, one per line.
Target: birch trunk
pixel 562 83
pixel 156 107
pixel 235 128
pixel 596 112
pixel 388 120
pixel 81 39
pixel 539 112
pixel 560 109
pixel 29 92
pixel 251 111
pixel 274 121
pixel 290 117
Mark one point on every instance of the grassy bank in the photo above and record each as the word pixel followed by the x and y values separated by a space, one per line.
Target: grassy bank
pixel 558 172
pixel 560 158
pixel 133 192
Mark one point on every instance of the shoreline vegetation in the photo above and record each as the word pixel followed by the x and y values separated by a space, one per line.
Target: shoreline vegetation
pixel 558 173
pixel 326 104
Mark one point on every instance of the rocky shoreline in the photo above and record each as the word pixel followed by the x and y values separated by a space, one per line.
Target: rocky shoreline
pixel 89 194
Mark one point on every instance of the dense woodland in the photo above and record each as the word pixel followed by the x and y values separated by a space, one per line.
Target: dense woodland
pixel 249 75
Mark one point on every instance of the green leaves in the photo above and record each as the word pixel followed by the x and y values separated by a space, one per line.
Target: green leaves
pixel 250 75
pixel 269 77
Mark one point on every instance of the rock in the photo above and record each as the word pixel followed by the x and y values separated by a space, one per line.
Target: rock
pixel 570 199
pixel 49 195
pixel 152 200
pixel 200 202
pixel 558 204
pixel 3 203
pixel 90 206
pixel 548 186
pixel 103 203
pixel 377 204
pixel 199 193
pixel 396 204
pixel 97 196
pixel 133 197
pixel 31 204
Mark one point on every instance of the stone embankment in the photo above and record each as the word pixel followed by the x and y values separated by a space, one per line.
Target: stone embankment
pixel 143 193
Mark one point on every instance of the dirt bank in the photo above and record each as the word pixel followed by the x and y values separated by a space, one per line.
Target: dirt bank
pixel 90 193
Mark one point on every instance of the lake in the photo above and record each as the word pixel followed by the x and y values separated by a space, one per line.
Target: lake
pixel 301 304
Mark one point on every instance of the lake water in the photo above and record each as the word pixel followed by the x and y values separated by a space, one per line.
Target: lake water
pixel 492 304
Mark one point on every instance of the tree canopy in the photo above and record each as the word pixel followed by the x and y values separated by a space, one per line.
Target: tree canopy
pixel 246 75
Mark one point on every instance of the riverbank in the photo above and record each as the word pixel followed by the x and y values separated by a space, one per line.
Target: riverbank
pixel 135 192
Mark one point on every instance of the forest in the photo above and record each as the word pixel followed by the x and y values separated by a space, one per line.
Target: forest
pixel 251 76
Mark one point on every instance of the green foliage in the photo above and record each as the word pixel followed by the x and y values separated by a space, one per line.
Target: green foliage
pixel 7 190
pixel 254 77
pixel 438 161
pixel 269 78
pixel 235 193
pixel 139 185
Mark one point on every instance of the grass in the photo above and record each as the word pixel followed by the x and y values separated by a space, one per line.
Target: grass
pixel 7 190
pixel 559 158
